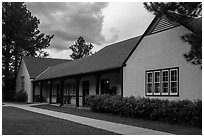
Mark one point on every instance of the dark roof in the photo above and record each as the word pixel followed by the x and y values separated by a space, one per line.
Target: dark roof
pixel 36 65
pixel 109 57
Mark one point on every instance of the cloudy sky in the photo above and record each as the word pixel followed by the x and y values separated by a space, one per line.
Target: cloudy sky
pixel 99 23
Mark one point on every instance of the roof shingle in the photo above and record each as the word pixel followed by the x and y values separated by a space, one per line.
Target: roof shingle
pixel 110 57
pixel 36 65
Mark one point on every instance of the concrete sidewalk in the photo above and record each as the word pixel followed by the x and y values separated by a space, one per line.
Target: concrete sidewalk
pixel 105 125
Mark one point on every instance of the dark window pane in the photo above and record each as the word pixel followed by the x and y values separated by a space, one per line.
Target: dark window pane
pixel 149 88
pixel 165 88
pixel 157 87
pixel 173 87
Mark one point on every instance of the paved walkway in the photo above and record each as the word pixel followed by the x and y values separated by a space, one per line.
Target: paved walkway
pixel 105 125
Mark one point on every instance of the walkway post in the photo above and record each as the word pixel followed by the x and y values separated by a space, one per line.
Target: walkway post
pixel 51 91
pixel 41 98
pixel 98 76
pixel 77 90
pixel 121 80
pixel 33 91
pixel 61 91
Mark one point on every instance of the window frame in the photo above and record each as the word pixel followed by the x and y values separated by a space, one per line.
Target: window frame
pixel 157 83
pixel 161 82
pixel 170 82
pixel 149 83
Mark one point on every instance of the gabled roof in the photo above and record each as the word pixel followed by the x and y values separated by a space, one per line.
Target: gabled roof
pixel 36 65
pixel 110 57
pixel 162 23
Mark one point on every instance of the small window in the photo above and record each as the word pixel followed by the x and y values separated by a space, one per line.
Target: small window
pixel 162 82
pixel 23 83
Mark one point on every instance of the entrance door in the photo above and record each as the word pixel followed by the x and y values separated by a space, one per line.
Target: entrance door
pixel 85 90
pixel 105 86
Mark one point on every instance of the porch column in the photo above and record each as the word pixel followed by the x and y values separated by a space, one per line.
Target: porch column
pixel 51 91
pixel 77 90
pixel 98 77
pixel 41 98
pixel 33 91
pixel 61 91
pixel 121 80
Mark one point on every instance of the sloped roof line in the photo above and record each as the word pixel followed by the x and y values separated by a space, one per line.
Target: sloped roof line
pixel 80 66
pixel 43 72
pixel 36 65
pixel 147 31
pixel 109 57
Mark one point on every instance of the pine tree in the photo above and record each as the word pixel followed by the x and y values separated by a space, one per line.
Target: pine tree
pixel 80 49
pixel 20 37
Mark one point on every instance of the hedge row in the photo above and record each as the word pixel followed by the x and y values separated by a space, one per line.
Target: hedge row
pixel 21 96
pixel 184 112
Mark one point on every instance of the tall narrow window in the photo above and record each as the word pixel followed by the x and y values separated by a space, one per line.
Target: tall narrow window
pixel 173 82
pixel 157 83
pixel 165 82
pixel 22 83
pixel 149 83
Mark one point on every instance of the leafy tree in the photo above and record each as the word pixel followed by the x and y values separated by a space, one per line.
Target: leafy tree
pixel 80 49
pixel 20 37
pixel 184 12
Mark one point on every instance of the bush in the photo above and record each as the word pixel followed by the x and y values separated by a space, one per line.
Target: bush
pixel 20 96
pixel 184 112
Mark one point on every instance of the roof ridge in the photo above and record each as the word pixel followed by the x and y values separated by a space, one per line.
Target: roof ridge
pixel 84 58
pixel 45 58
pixel 109 57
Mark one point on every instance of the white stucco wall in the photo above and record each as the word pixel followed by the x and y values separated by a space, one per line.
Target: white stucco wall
pixel 158 51
pixel 27 85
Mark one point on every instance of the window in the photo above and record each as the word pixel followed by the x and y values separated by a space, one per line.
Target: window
pixel 157 83
pixel 162 82
pixel 165 82
pixel 173 82
pixel 22 83
pixel 149 83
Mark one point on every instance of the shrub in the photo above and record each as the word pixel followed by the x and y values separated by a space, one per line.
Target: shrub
pixel 177 112
pixel 20 96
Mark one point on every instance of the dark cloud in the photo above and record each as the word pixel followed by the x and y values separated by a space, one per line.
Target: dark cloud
pixel 68 21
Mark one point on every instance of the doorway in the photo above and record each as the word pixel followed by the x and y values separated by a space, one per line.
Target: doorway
pixel 105 86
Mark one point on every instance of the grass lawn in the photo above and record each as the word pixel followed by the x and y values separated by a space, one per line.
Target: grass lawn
pixel 21 122
pixel 155 125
